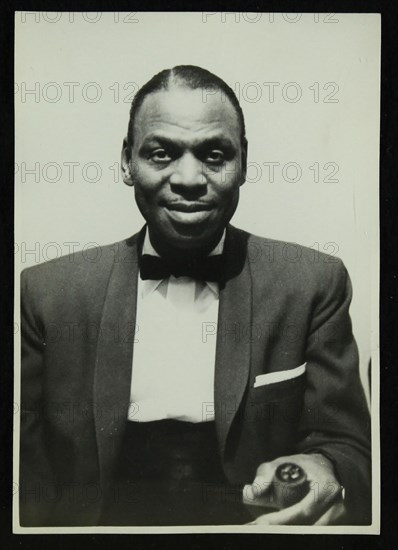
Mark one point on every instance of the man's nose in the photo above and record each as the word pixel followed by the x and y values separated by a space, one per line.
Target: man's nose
pixel 188 172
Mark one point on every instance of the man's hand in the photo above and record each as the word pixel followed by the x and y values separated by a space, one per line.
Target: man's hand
pixel 322 505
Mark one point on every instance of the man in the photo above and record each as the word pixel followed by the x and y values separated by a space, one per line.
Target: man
pixel 193 358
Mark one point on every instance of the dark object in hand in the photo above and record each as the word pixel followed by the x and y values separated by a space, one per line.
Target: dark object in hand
pixel 290 484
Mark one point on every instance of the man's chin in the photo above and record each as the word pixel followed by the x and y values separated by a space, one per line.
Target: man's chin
pixel 188 238
pixel 189 241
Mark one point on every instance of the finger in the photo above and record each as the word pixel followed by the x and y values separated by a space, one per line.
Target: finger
pixel 261 484
pixel 258 493
pixel 305 512
pixel 267 470
pixel 332 515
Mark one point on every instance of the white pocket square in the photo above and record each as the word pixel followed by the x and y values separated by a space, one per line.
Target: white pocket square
pixel 280 376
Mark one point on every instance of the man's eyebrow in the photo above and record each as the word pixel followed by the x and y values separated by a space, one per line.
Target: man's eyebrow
pixel 217 140
pixel 212 140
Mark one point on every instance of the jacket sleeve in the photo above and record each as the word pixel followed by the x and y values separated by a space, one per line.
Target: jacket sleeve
pixel 336 420
pixel 35 478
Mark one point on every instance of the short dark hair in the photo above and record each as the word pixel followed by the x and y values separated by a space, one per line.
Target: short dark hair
pixel 192 77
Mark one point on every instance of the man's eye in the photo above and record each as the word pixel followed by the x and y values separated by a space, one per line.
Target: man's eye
pixel 160 155
pixel 215 157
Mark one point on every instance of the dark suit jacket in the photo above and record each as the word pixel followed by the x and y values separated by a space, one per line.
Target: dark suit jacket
pixel 281 305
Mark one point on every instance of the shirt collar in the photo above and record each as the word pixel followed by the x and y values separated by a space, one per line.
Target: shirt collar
pixel 151 285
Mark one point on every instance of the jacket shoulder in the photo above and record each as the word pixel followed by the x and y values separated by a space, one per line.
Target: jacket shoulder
pixel 292 263
pixel 291 252
pixel 79 265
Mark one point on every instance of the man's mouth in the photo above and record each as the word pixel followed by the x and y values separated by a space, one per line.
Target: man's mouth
pixel 189 206
pixel 189 212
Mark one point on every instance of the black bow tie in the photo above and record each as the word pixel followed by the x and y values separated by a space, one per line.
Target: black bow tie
pixel 210 268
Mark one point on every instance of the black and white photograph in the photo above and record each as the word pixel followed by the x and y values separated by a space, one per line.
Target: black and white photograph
pixel 196 272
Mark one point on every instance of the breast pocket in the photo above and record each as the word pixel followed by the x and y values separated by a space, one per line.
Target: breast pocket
pixel 278 405
pixel 275 391
pixel 272 414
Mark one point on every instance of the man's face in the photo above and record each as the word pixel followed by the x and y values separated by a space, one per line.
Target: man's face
pixel 186 164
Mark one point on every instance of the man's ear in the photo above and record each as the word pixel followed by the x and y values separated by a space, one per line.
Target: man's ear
pixel 125 164
pixel 244 160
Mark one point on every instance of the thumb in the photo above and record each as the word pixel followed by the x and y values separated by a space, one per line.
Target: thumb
pixel 256 489
pixel 261 486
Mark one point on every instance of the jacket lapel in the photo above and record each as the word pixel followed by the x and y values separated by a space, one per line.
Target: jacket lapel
pixel 233 352
pixel 114 355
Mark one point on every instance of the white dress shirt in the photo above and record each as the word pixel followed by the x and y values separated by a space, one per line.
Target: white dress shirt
pixel 174 353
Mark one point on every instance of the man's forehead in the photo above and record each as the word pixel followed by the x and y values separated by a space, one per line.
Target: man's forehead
pixel 183 109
